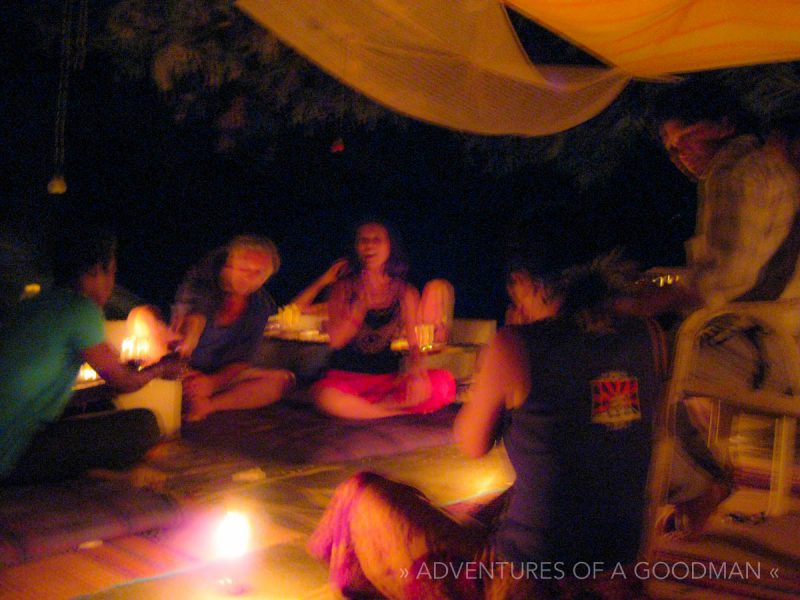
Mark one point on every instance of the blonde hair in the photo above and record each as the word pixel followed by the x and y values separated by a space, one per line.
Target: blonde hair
pixel 260 243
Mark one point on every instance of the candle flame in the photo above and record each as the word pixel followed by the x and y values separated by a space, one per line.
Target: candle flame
pixel 87 373
pixel 147 337
pixel 135 349
pixel 232 537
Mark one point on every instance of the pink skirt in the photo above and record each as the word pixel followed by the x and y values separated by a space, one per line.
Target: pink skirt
pixel 391 387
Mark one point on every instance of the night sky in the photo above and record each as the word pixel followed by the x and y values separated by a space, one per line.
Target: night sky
pixel 171 197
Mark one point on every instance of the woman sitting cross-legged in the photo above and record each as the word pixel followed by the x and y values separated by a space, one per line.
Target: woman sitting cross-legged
pixel 367 309
pixel 222 310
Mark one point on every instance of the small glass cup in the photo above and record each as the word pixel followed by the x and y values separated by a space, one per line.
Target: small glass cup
pixel 424 333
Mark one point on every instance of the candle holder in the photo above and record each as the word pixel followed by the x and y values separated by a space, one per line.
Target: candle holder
pixel 424 336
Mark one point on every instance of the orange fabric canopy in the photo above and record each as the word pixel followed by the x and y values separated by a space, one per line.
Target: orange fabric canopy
pixel 656 37
pixel 459 64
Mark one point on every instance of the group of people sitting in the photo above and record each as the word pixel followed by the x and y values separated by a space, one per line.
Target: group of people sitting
pixel 571 386
pixel 222 309
pixel 219 317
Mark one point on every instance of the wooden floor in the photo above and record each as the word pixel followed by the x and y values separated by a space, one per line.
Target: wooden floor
pixel 285 508
pixel 286 501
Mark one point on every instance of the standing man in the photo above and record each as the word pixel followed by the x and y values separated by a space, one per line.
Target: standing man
pixel 747 238
pixel 746 247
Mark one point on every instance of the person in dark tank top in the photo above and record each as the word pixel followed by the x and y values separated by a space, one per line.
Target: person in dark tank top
pixel 572 396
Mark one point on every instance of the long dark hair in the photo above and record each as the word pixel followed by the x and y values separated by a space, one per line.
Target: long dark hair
pixel 396 264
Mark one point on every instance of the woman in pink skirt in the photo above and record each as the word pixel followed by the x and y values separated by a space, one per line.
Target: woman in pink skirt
pixel 369 308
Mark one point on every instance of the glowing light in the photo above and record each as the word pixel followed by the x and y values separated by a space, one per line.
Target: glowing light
pixel 141 322
pixel 232 537
pixel 289 317
pixel 30 290
pixel 57 185
pixel 487 485
pixel 147 339
pixel 668 279
pixel 87 373
pixel 424 334
pixel 337 146
pixel 134 349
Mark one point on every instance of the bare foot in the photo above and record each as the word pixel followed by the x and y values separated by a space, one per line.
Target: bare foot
pixel 199 408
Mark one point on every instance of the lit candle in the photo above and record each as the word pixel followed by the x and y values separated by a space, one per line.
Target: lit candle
pixel 142 350
pixel 231 542
pixel 126 350
pixel 87 373
pixel 232 537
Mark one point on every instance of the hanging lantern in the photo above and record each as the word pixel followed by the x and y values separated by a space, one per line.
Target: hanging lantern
pixel 73 55
pixel 57 185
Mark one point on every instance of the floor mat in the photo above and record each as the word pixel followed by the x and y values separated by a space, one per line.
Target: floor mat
pixel 298 434
pixel 37 521
pixel 741 554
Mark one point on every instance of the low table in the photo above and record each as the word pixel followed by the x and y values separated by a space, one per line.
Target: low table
pixel 304 353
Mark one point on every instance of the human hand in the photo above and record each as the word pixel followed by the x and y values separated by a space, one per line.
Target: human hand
pixel 184 347
pixel 335 271
pixel 172 366
pixel 177 318
pixel 193 326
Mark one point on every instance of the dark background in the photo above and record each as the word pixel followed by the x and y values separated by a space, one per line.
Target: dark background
pixel 171 196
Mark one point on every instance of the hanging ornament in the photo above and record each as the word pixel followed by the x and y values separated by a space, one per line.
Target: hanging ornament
pixel 337 146
pixel 57 185
pixel 73 56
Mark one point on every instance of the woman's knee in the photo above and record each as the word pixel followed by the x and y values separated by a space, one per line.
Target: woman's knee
pixel 325 398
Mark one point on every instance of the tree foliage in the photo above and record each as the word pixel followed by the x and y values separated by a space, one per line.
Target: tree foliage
pixel 214 65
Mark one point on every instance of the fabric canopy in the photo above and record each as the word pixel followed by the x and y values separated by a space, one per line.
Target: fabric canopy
pixel 654 37
pixel 459 63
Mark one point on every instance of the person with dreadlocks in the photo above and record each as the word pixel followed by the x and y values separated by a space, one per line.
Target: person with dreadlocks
pixel 573 396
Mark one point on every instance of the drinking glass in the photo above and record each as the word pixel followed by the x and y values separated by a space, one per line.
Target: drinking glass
pixel 424 333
